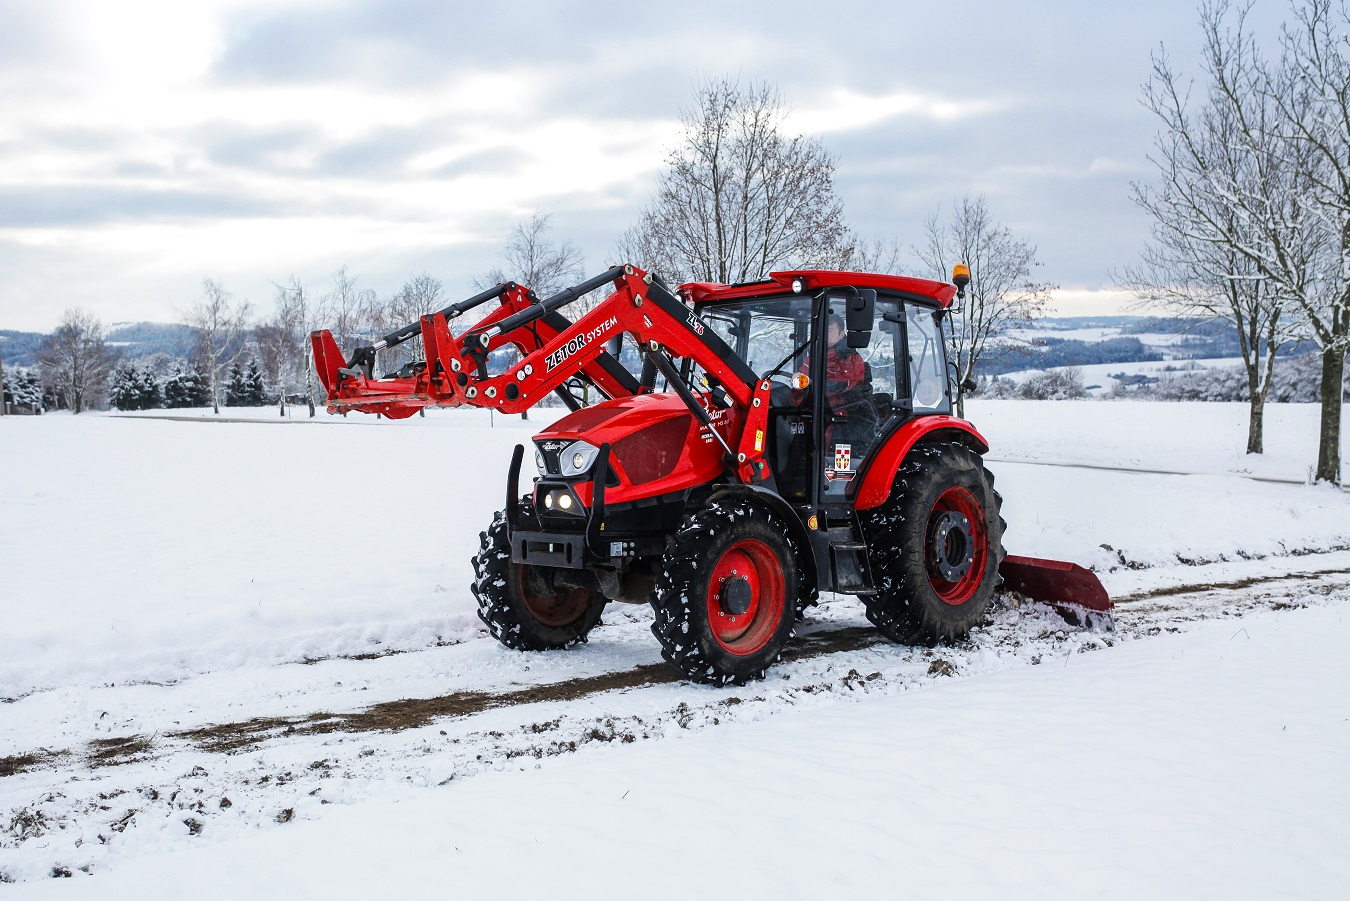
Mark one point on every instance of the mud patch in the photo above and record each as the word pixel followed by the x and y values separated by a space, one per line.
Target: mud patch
pixel 410 713
pixel 117 751
pixel 21 763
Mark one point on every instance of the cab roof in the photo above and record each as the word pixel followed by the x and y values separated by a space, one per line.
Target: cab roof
pixel 939 293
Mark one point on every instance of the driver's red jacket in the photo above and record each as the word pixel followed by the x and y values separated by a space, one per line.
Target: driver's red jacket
pixel 843 372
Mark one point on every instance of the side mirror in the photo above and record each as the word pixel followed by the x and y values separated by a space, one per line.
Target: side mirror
pixel 860 313
pixel 969 385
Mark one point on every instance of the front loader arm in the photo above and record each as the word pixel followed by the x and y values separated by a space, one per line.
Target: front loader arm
pixel 734 409
pixel 664 328
pixel 353 385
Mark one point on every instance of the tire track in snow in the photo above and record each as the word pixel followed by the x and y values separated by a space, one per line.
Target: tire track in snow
pixel 1105 467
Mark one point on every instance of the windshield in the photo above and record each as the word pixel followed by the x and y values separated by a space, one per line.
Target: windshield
pixel 767 334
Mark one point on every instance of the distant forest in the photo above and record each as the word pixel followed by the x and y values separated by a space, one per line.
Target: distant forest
pixel 135 340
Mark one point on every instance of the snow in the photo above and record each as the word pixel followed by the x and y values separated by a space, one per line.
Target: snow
pixel 1192 437
pixel 1204 765
pixel 163 576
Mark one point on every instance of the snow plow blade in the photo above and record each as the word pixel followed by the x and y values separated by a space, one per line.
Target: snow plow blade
pixel 1074 592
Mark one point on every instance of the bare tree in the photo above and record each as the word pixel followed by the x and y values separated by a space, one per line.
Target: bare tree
pixel 219 325
pixel 1311 88
pixel 740 197
pixel 1244 174
pixel 535 260
pixel 419 296
pixel 1003 293
pixel 1195 265
pixel 352 312
pixel 1203 284
pixel 283 344
pixel 76 361
pixel 878 255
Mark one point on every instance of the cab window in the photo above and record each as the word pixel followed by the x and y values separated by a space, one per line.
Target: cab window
pixel 927 362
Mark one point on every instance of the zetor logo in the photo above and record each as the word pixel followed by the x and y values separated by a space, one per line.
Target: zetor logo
pixel 553 446
pixel 579 342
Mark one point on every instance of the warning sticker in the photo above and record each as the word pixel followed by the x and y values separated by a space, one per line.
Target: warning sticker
pixel 759 440
pixel 843 458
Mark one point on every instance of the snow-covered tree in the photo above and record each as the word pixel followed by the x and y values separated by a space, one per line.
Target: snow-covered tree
pixel 254 391
pixel 283 344
pixel 76 361
pixel 184 387
pixel 124 388
pixel 22 388
pixel 234 386
pixel 218 323
pixel 1195 265
pixel 1281 171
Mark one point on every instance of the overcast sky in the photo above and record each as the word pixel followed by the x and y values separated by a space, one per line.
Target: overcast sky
pixel 145 145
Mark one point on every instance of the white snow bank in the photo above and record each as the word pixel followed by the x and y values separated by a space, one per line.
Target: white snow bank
pixel 1209 764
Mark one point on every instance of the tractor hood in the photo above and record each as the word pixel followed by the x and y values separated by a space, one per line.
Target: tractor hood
pixel 656 444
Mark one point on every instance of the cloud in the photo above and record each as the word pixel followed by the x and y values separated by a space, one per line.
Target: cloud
pixel 846 110
pixel 147 143
pixel 79 206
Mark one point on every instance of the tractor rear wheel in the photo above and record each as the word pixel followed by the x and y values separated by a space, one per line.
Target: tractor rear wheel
pixel 726 599
pixel 526 607
pixel 935 546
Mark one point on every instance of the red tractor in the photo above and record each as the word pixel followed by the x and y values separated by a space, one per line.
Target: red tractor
pixel 779 439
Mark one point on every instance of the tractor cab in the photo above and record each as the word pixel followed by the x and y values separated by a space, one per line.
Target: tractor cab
pixel 848 365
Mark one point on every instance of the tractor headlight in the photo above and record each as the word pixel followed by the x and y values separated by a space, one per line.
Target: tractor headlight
pixel 578 457
pixel 539 462
pixel 564 502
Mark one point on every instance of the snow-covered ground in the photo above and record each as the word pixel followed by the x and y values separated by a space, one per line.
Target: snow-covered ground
pixel 1189 436
pixel 166 579
pixel 1209 764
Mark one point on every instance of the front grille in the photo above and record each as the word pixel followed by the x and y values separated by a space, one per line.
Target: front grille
pixel 652 453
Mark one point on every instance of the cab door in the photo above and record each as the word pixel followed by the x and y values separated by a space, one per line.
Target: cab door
pixel 860 387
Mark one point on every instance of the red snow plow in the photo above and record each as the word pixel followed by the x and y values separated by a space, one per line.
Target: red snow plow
pixel 779 439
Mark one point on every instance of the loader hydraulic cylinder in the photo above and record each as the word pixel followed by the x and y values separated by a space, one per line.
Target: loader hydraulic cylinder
pixel 549 304
pixel 453 311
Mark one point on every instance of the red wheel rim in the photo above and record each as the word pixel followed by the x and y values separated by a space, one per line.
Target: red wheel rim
pixel 746 633
pixel 550 607
pixel 957 547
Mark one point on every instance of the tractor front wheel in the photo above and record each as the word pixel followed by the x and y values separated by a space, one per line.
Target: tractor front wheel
pixel 727 596
pixel 935 547
pixel 525 607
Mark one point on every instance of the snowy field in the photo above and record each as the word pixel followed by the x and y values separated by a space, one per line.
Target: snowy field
pixel 202 612
pixel 1099 378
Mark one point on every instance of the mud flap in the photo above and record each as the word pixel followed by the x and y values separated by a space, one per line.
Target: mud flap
pixel 1074 592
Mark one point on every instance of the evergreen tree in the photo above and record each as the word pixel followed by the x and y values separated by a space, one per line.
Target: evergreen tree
pixel 183 387
pixel 255 392
pixel 124 391
pixel 22 388
pixel 235 389
pixel 151 395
